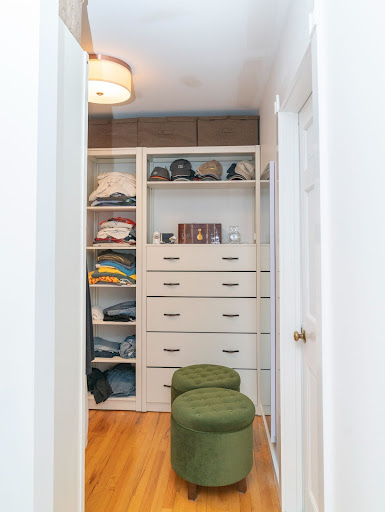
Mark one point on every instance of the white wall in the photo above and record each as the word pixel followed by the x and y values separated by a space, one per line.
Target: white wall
pixel 27 144
pixel 351 49
pixel 294 41
pixel 70 275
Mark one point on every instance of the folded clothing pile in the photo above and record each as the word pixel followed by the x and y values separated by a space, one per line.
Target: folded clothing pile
pixel 122 312
pixel 118 230
pixel 114 188
pixel 107 348
pixel 244 170
pixel 114 268
pixel 119 381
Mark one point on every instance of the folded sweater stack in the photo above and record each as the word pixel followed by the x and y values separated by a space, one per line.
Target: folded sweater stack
pixel 114 189
pixel 117 230
pixel 114 268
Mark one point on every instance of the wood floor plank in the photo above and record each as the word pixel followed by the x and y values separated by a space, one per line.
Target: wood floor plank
pixel 128 469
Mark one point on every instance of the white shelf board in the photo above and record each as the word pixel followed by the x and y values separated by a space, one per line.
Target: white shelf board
pixel 118 403
pixel 201 245
pixel 264 182
pixel 116 359
pixel 125 286
pixel 102 322
pixel 111 208
pixel 112 246
pixel 201 184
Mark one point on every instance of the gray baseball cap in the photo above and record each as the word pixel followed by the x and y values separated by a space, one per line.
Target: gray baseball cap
pixel 159 173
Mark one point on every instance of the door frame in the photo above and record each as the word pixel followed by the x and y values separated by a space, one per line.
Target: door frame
pixel 291 453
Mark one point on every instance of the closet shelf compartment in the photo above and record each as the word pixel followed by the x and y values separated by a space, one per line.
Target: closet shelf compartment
pixel 111 246
pixel 111 208
pixel 102 322
pixel 187 185
pixel 115 359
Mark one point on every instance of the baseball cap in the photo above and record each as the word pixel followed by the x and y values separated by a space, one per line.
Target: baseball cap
pixel 159 173
pixel 245 168
pixel 213 167
pixel 180 168
pixel 232 175
pixel 190 177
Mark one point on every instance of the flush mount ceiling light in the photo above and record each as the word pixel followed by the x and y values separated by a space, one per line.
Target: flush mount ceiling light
pixel 109 80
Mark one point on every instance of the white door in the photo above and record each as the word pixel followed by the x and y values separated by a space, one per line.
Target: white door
pixel 310 310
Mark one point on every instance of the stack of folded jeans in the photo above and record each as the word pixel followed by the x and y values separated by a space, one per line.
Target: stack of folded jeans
pixel 114 268
pixel 117 230
pixel 122 312
pixel 107 348
pixel 114 188
pixel 119 381
pixel 122 380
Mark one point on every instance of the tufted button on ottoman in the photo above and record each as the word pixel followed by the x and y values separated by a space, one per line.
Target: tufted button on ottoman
pixel 212 438
pixel 203 376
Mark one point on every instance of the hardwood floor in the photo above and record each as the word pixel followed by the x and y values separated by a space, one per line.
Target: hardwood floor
pixel 128 470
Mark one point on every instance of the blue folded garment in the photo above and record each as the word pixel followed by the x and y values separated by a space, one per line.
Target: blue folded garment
pixel 123 268
pixel 128 347
pixel 106 346
pixel 127 309
pixel 122 380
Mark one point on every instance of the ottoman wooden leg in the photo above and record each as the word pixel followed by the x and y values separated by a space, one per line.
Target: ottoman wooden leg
pixel 242 486
pixel 192 491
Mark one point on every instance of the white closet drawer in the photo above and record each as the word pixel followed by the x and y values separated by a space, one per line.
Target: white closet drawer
pixel 202 284
pixel 265 352
pixel 159 384
pixel 159 380
pixel 219 257
pixel 201 314
pixel 265 316
pixel 264 284
pixel 265 257
pixel 184 349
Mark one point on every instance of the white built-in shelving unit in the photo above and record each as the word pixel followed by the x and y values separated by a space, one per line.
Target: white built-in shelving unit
pixel 122 160
pixel 165 343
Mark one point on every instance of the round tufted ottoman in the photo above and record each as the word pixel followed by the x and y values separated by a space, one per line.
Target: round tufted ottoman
pixel 212 438
pixel 203 376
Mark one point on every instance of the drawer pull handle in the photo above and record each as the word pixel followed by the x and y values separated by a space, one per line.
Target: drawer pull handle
pixel 171 314
pixel 224 314
pixel 171 284
pixel 171 349
pixel 230 351
pixel 166 386
pixel 230 284
pixel 229 258
pixel 171 258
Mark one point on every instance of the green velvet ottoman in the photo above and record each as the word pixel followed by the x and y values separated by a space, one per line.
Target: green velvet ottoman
pixel 212 438
pixel 203 376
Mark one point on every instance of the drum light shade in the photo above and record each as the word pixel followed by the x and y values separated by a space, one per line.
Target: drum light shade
pixel 109 80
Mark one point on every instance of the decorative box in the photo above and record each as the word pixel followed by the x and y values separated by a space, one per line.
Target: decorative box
pixel 199 233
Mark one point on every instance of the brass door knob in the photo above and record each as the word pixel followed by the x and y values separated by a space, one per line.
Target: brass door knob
pixel 300 336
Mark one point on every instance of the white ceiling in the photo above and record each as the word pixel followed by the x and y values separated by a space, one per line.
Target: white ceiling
pixel 204 57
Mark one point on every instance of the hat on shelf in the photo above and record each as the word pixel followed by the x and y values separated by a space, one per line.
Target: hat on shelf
pixel 246 169
pixel 211 170
pixel 232 175
pixel 181 169
pixel 191 177
pixel 159 173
